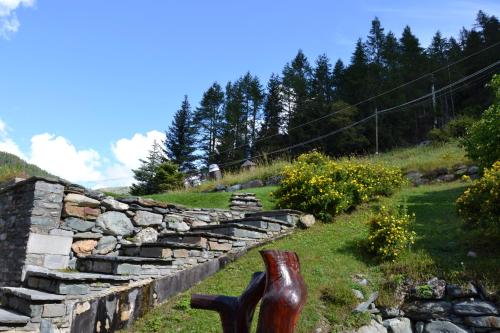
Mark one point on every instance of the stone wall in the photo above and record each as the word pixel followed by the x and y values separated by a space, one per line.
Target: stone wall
pixel 29 235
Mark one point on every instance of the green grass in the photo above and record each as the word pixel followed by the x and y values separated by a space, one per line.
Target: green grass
pixel 214 199
pixel 330 254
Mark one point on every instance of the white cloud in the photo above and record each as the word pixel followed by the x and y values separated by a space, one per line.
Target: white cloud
pixel 60 157
pixel 9 24
pixel 129 151
pixel 7 144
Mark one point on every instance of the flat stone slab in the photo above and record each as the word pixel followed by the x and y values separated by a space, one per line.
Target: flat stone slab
pixel 31 294
pixel 12 318
pixel 77 276
pixel 229 225
pixel 130 260
pixel 165 244
pixel 204 234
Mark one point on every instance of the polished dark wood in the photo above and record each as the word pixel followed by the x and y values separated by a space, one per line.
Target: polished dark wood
pixel 285 294
pixel 236 313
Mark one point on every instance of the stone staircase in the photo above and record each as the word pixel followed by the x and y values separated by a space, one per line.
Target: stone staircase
pixel 51 300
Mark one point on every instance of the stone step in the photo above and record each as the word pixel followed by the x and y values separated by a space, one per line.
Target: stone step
pixel 163 249
pixel 10 318
pixel 234 229
pixel 71 283
pixel 122 265
pixel 208 240
pixel 287 215
pixel 263 222
pixel 31 302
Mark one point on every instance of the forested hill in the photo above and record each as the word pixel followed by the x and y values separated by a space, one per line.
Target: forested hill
pixel 327 104
pixel 12 166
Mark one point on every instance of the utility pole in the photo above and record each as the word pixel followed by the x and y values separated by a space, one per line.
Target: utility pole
pixel 376 131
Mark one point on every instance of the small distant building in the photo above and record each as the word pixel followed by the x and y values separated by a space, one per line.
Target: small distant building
pixel 214 172
pixel 248 165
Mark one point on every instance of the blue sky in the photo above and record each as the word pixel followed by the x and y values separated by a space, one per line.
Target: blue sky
pixel 85 86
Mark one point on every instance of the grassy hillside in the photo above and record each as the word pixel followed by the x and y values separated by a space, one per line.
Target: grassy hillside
pixel 12 166
pixel 330 254
pixel 421 159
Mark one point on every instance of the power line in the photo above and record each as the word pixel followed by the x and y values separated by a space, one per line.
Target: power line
pixel 366 100
pixel 403 105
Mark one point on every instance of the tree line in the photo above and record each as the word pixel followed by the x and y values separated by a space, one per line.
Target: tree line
pixel 247 118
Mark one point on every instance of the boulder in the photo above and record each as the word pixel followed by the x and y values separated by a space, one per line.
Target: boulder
pixel 307 221
pixel 362 307
pixel 220 188
pixel 455 291
pixel 85 213
pixel 425 310
pixel 252 184
pixel 484 321
pixel 234 188
pixel 77 224
pixel 473 170
pixel 398 325
pixel 147 235
pixel 115 223
pixel 84 247
pixel 373 327
pixel 105 245
pixel 81 200
pixel 441 326
pixel 474 308
pixel 146 219
pixel 178 226
pixel 113 204
pixel 358 294
pixel 433 289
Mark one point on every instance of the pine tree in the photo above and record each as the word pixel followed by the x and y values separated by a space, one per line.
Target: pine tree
pixel 145 174
pixel 375 42
pixel 209 119
pixel 338 79
pixel 180 139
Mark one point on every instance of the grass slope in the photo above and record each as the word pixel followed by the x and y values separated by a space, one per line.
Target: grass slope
pixel 214 199
pixel 12 166
pixel 330 254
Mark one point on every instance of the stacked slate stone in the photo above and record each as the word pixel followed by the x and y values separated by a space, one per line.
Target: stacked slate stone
pixel 245 202
pixel 442 175
pixel 435 306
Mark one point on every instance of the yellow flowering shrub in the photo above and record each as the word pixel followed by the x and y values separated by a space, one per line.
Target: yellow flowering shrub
pixel 479 205
pixel 390 233
pixel 316 184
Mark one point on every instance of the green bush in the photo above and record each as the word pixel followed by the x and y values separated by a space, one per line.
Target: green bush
pixel 459 126
pixel 390 233
pixel 483 142
pixel 316 184
pixel 479 205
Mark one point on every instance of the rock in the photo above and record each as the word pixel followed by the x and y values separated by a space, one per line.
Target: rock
pixel 220 188
pixel 85 213
pixel 472 254
pixel 455 291
pixel 274 180
pixel 77 224
pixel 113 204
pixel 433 289
pixel 115 223
pixel 398 325
pixel 178 226
pixel 484 321
pixel 446 178
pixel 441 326
pixel 362 307
pixel 360 279
pixel 215 246
pixel 307 221
pixel 173 218
pixel 373 327
pixel 147 235
pixel 475 308
pixel 87 235
pixel 473 170
pixel 358 294
pixel 425 310
pixel 252 184
pixel 419 327
pixel 234 188
pixel 84 247
pixel 146 219
pixel 413 176
pixel 81 200
pixel 106 245
pixel 460 172
pixel 391 312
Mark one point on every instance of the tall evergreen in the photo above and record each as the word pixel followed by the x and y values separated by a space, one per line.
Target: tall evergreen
pixel 145 174
pixel 209 119
pixel 375 42
pixel 180 139
pixel 273 114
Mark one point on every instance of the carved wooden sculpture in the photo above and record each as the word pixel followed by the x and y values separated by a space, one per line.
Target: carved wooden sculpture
pixel 236 313
pixel 283 294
